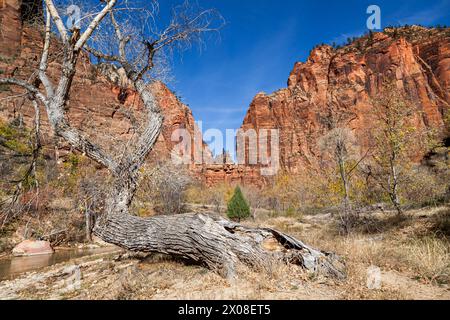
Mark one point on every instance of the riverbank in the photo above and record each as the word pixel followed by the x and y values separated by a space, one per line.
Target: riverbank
pixel 12 266
pixel 412 256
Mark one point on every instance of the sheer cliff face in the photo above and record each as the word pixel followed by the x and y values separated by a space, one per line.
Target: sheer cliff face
pixel 345 80
pixel 99 102
pixel 342 81
pixel 10 26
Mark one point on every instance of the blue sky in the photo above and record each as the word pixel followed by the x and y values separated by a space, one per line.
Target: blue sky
pixel 261 41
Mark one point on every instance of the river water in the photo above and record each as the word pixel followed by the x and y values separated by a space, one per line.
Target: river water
pixel 13 266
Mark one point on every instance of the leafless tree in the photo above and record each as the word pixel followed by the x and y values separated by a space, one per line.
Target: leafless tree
pixel 341 144
pixel 138 48
pixel 165 187
pixel 395 141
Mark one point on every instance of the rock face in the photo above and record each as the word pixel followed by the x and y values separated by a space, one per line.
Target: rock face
pixel 10 26
pixel 232 174
pixel 343 82
pixel 100 101
pixel 32 248
pixel 331 82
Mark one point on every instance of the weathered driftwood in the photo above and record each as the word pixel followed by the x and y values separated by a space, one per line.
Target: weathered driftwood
pixel 215 242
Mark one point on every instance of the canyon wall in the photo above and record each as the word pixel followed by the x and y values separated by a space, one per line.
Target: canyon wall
pixel 10 27
pixel 344 81
pixel 101 104
pixel 332 81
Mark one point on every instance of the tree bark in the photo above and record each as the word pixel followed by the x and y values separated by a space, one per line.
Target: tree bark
pixel 212 241
pixel 88 221
pixel 216 243
pixel 393 186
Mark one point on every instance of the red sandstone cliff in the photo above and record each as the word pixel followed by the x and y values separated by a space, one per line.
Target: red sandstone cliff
pixel 10 26
pixel 100 104
pixel 100 101
pixel 344 80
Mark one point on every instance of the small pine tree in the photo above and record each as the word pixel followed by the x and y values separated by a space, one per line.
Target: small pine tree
pixel 238 207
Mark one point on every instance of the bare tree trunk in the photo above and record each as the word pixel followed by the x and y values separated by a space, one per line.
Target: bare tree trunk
pixel 346 218
pixel 345 185
pixel 36 149
pixel 214 242
pixel 217 243
pixel 394 186
pixel 88 219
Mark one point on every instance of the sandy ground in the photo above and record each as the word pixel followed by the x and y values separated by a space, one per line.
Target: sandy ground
pixel 135 276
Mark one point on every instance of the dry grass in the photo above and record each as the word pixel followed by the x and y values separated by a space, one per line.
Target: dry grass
pixel 413 259
pixel 441 222
pixel 430 259
pixel 412 252
pixel 165 278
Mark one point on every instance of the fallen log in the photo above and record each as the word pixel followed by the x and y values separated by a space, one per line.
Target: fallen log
pixel 215 242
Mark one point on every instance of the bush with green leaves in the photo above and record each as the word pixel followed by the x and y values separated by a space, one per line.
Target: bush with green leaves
pixel 238 207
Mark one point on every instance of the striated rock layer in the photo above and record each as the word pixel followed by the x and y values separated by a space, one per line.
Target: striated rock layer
pixel 338 82
pixel 332 82
pixel 101 102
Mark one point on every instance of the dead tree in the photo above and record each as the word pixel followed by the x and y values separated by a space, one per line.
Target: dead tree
pixel 214 242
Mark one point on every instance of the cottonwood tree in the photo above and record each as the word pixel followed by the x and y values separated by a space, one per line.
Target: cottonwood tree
pixel 395 140
pixel 212 241
pixel 340 144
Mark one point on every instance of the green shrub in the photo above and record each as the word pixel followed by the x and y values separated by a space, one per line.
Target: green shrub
pixel 238 207
pixel 15 139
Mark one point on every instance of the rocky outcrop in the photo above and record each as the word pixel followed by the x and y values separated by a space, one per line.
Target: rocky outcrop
pixel 10 27
pixel 331 82
pixel 214 174
pixel 100 99
pixel 343 81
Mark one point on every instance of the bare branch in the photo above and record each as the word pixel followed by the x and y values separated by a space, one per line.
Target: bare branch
pixel 366 154
pixel 147 140
pixel 94 24
pixel 122 41
pixel 44 58
pixel 101 55
pixel 57 20
pixel 77 140
pixel 29 87
pixel 184 26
